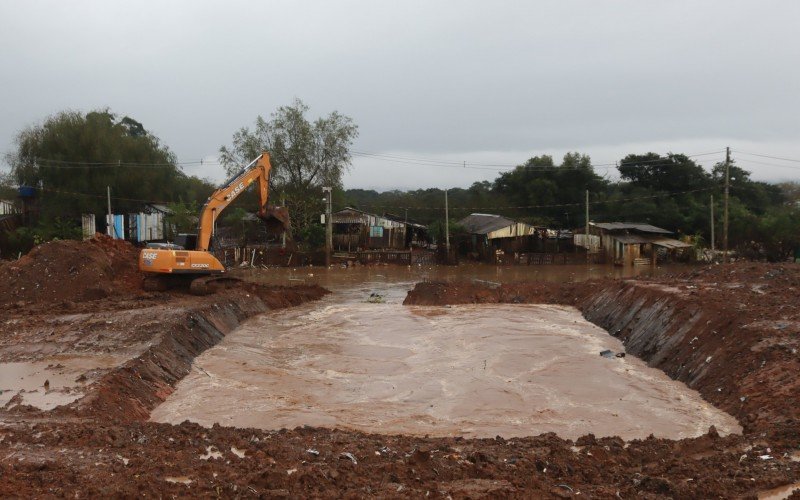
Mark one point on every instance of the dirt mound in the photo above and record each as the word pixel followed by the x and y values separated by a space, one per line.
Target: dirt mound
pixel 69 270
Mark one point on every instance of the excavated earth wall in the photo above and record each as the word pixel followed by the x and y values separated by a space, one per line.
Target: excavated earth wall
pixel 131 392
pixel 707 350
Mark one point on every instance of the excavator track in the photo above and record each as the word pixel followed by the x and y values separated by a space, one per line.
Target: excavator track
pixel 206 285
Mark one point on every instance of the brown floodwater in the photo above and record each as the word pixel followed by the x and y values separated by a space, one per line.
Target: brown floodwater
pixel 47 384
pixel 362 361
pixel 337 277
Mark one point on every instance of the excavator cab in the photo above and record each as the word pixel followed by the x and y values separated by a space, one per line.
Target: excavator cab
pixel 186 240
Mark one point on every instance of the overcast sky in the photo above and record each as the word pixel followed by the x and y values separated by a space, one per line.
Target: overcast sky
pixel 486 83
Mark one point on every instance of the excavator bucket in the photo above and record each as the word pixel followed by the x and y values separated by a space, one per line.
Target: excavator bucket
pixel 276 219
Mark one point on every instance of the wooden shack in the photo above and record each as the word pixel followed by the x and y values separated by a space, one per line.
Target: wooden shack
pixel 355 230
pixel 634 243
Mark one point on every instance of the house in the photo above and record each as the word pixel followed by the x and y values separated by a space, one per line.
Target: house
pixel 633 243
pixel 490 233
pixel 355 229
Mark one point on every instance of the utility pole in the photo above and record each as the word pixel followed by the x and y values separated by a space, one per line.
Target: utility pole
pixel 406 236
pixel 727 195
pixel 283 234
pixel 447 226
pixel 110 229
pixel 712 224
pixel 328 224
pixel 586 235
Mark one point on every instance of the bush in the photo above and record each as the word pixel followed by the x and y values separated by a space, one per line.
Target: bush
pixel 312 237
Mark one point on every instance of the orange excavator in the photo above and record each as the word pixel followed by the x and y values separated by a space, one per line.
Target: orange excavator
pixel 189 259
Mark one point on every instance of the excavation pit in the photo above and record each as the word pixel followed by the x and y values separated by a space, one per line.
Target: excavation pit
pixel 485 370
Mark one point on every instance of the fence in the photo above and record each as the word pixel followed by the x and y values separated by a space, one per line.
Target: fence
pixel 403 257
pixel 535 259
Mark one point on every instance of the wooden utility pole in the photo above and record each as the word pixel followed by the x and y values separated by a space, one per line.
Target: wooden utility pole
pixel 586 233
pixel 447 226
pixel 328 224
pixel 587 215
pixel 727 195
pixel 407 236
pixel 283 234
pixel 110 229
pixel 712 224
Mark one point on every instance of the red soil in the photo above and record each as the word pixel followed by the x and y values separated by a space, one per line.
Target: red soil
pixel 70 270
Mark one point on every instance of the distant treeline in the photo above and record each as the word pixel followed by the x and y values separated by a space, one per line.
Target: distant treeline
pixel 671 191
pixel 72 157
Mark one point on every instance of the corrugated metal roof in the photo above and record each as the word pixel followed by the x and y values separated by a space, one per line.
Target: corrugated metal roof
pixel 633 239
pixel 484 223
pixel 670 243
pixel 636 226
pixel 351 216
pixel 403 220
pixel 158 207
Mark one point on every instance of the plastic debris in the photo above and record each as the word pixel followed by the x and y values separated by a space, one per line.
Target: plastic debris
pixel 376 298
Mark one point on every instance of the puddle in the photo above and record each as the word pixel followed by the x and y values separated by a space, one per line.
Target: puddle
pixel 477 371
pixel 47 384
pixel 178 480
pixel 779 493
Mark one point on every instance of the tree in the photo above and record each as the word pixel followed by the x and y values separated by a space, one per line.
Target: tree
pixel 305 155
pixel 674 172
pixel 71 158
pixel 540 183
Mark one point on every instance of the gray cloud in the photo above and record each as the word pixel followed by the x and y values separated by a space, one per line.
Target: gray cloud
pixel 474 81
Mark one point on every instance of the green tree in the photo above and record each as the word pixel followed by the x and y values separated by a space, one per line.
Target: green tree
pixel 182 218
pixel 540 184
pixel 673 172
pixel 71 158
pixel 305 155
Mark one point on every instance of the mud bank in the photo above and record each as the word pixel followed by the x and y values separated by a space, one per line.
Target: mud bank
pixel 131 392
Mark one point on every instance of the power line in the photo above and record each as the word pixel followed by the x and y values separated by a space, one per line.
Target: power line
pixel 748 161
pixel 56 163
pixel 111 163
pixel 558 205
pixel 407 160
pixel 767 156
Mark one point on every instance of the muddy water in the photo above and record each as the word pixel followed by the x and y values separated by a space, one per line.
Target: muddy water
pixel 338 277
pixel 47 384
pixel 509 370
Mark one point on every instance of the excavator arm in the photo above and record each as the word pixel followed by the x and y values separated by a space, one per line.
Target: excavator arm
pixel 257 171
